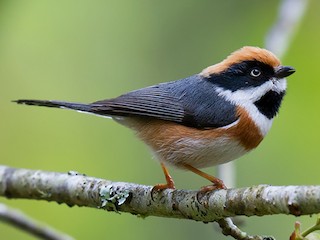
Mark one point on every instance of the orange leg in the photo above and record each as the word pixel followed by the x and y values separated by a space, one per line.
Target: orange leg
pixel 217 183
pixel 169 180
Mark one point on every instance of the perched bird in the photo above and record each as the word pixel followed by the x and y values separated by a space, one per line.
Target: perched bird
pixel 203 120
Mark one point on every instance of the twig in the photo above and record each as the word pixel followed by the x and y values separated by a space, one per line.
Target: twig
pixel 289 16
pixel 20 220
pixel 230 229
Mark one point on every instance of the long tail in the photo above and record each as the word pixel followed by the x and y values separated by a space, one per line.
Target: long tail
pixel 56 104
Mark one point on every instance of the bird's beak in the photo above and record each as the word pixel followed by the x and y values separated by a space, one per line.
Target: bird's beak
pixel 283 71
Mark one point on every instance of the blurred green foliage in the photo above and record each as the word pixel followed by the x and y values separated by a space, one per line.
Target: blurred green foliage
pixel 90 50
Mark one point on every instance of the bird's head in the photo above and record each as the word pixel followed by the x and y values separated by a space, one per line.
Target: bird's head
pixel 249 68
pixel 249 75
pixel 252 78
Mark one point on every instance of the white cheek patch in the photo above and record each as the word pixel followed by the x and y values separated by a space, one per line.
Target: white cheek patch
pixel 246 97
pixel 251 94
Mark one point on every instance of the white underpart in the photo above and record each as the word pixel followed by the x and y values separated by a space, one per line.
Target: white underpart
pixel 202 152
pixel 246 98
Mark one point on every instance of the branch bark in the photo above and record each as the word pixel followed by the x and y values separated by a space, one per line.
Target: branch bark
pixel 76 189
pixel 27 224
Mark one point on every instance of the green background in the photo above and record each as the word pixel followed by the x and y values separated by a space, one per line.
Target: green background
pixel 91 50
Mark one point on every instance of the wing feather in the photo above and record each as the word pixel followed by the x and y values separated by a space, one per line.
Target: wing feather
pixel 191 101
pixel 151 102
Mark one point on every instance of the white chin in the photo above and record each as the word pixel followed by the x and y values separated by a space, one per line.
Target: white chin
pixel 280 85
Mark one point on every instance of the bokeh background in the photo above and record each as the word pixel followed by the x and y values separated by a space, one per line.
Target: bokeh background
pixel 91 50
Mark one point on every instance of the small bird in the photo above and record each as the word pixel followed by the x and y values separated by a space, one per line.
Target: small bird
pixel 203 120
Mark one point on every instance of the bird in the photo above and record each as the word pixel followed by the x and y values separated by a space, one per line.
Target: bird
pixel 203 120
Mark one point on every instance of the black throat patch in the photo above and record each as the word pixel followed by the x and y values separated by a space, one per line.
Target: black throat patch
pixel 269 104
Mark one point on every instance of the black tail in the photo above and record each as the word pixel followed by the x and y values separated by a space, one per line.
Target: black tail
pixel 56 104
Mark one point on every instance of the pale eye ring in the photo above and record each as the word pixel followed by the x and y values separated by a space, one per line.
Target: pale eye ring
pixel 255 72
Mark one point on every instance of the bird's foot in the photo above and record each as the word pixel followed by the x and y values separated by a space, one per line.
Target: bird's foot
pixel 163 186
pixel 217 184
pixel 168 185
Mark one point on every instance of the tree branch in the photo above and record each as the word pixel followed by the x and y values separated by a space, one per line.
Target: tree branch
pixel 289 17
pixel 74 189
pixel 20 220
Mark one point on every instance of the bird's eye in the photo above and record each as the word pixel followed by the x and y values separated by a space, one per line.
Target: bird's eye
pixel 255 72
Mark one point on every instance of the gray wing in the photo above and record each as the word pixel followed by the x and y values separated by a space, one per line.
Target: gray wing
pixel 151 102
pixel 191 102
